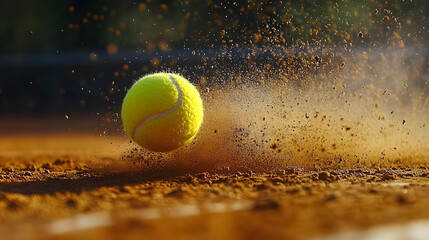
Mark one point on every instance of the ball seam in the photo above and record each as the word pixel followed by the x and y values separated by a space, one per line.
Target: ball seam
pixel 158 115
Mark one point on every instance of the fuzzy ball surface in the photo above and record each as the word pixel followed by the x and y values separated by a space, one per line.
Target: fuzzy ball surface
pixel 162 112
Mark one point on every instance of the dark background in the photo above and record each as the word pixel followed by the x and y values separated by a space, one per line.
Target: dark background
pixel 63 57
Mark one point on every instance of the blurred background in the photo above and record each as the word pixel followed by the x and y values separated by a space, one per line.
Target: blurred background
pixel 69 57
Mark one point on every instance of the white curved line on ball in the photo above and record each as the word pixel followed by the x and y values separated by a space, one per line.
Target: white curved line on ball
pixel 157 115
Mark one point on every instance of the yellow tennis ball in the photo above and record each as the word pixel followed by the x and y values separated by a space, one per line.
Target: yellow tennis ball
pixel 162 112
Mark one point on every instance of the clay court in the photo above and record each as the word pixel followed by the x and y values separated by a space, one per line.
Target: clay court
pixel 52 187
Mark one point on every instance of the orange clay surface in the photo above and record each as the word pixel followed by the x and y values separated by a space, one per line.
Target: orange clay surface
pixel 54 185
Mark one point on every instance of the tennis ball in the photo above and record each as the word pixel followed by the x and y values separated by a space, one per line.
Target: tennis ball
pixel 162 112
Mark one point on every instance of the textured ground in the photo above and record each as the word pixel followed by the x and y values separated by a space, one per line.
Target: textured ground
pixel 51 186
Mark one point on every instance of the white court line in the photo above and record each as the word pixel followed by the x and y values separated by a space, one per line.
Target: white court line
pixel 404 184
pixel 394 184
pixel 415 230
pixel 79 222
pixel 105 219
